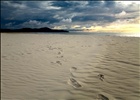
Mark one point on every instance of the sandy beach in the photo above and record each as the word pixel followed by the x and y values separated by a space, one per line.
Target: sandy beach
pixel 69 67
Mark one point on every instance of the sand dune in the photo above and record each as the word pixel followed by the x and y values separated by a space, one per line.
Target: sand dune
pixel 39 66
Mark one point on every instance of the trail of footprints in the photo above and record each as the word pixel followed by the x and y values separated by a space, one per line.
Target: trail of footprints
pixel 72 81
pixel 59 54
pixel 76 83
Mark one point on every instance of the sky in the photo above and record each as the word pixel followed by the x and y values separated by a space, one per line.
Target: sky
pixel 89 15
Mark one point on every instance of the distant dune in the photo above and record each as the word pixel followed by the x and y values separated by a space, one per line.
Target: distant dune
pixel 44 29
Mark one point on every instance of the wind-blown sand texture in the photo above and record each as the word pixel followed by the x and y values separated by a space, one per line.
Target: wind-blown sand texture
pixel 44 67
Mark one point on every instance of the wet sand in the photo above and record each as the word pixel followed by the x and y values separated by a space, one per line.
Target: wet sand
pixel 69 67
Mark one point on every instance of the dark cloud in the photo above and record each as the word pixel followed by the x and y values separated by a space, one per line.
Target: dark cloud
pixel 109 4
pixel 63 4
pixel 40 13
pixel 95 3
pixel 94 18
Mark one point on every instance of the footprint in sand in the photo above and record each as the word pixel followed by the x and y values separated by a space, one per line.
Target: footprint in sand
pixel 59 53
pixel 74 83
pixel 102 97
pixel 58 62
pixel 73 69
pixel 101 77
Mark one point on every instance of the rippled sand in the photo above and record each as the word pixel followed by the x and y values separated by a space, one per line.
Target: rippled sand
pixel 69 67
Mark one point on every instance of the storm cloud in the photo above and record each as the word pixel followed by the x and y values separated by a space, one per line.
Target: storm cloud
pixel 64 14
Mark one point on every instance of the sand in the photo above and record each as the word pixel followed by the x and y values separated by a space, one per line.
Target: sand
pixel 68 67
